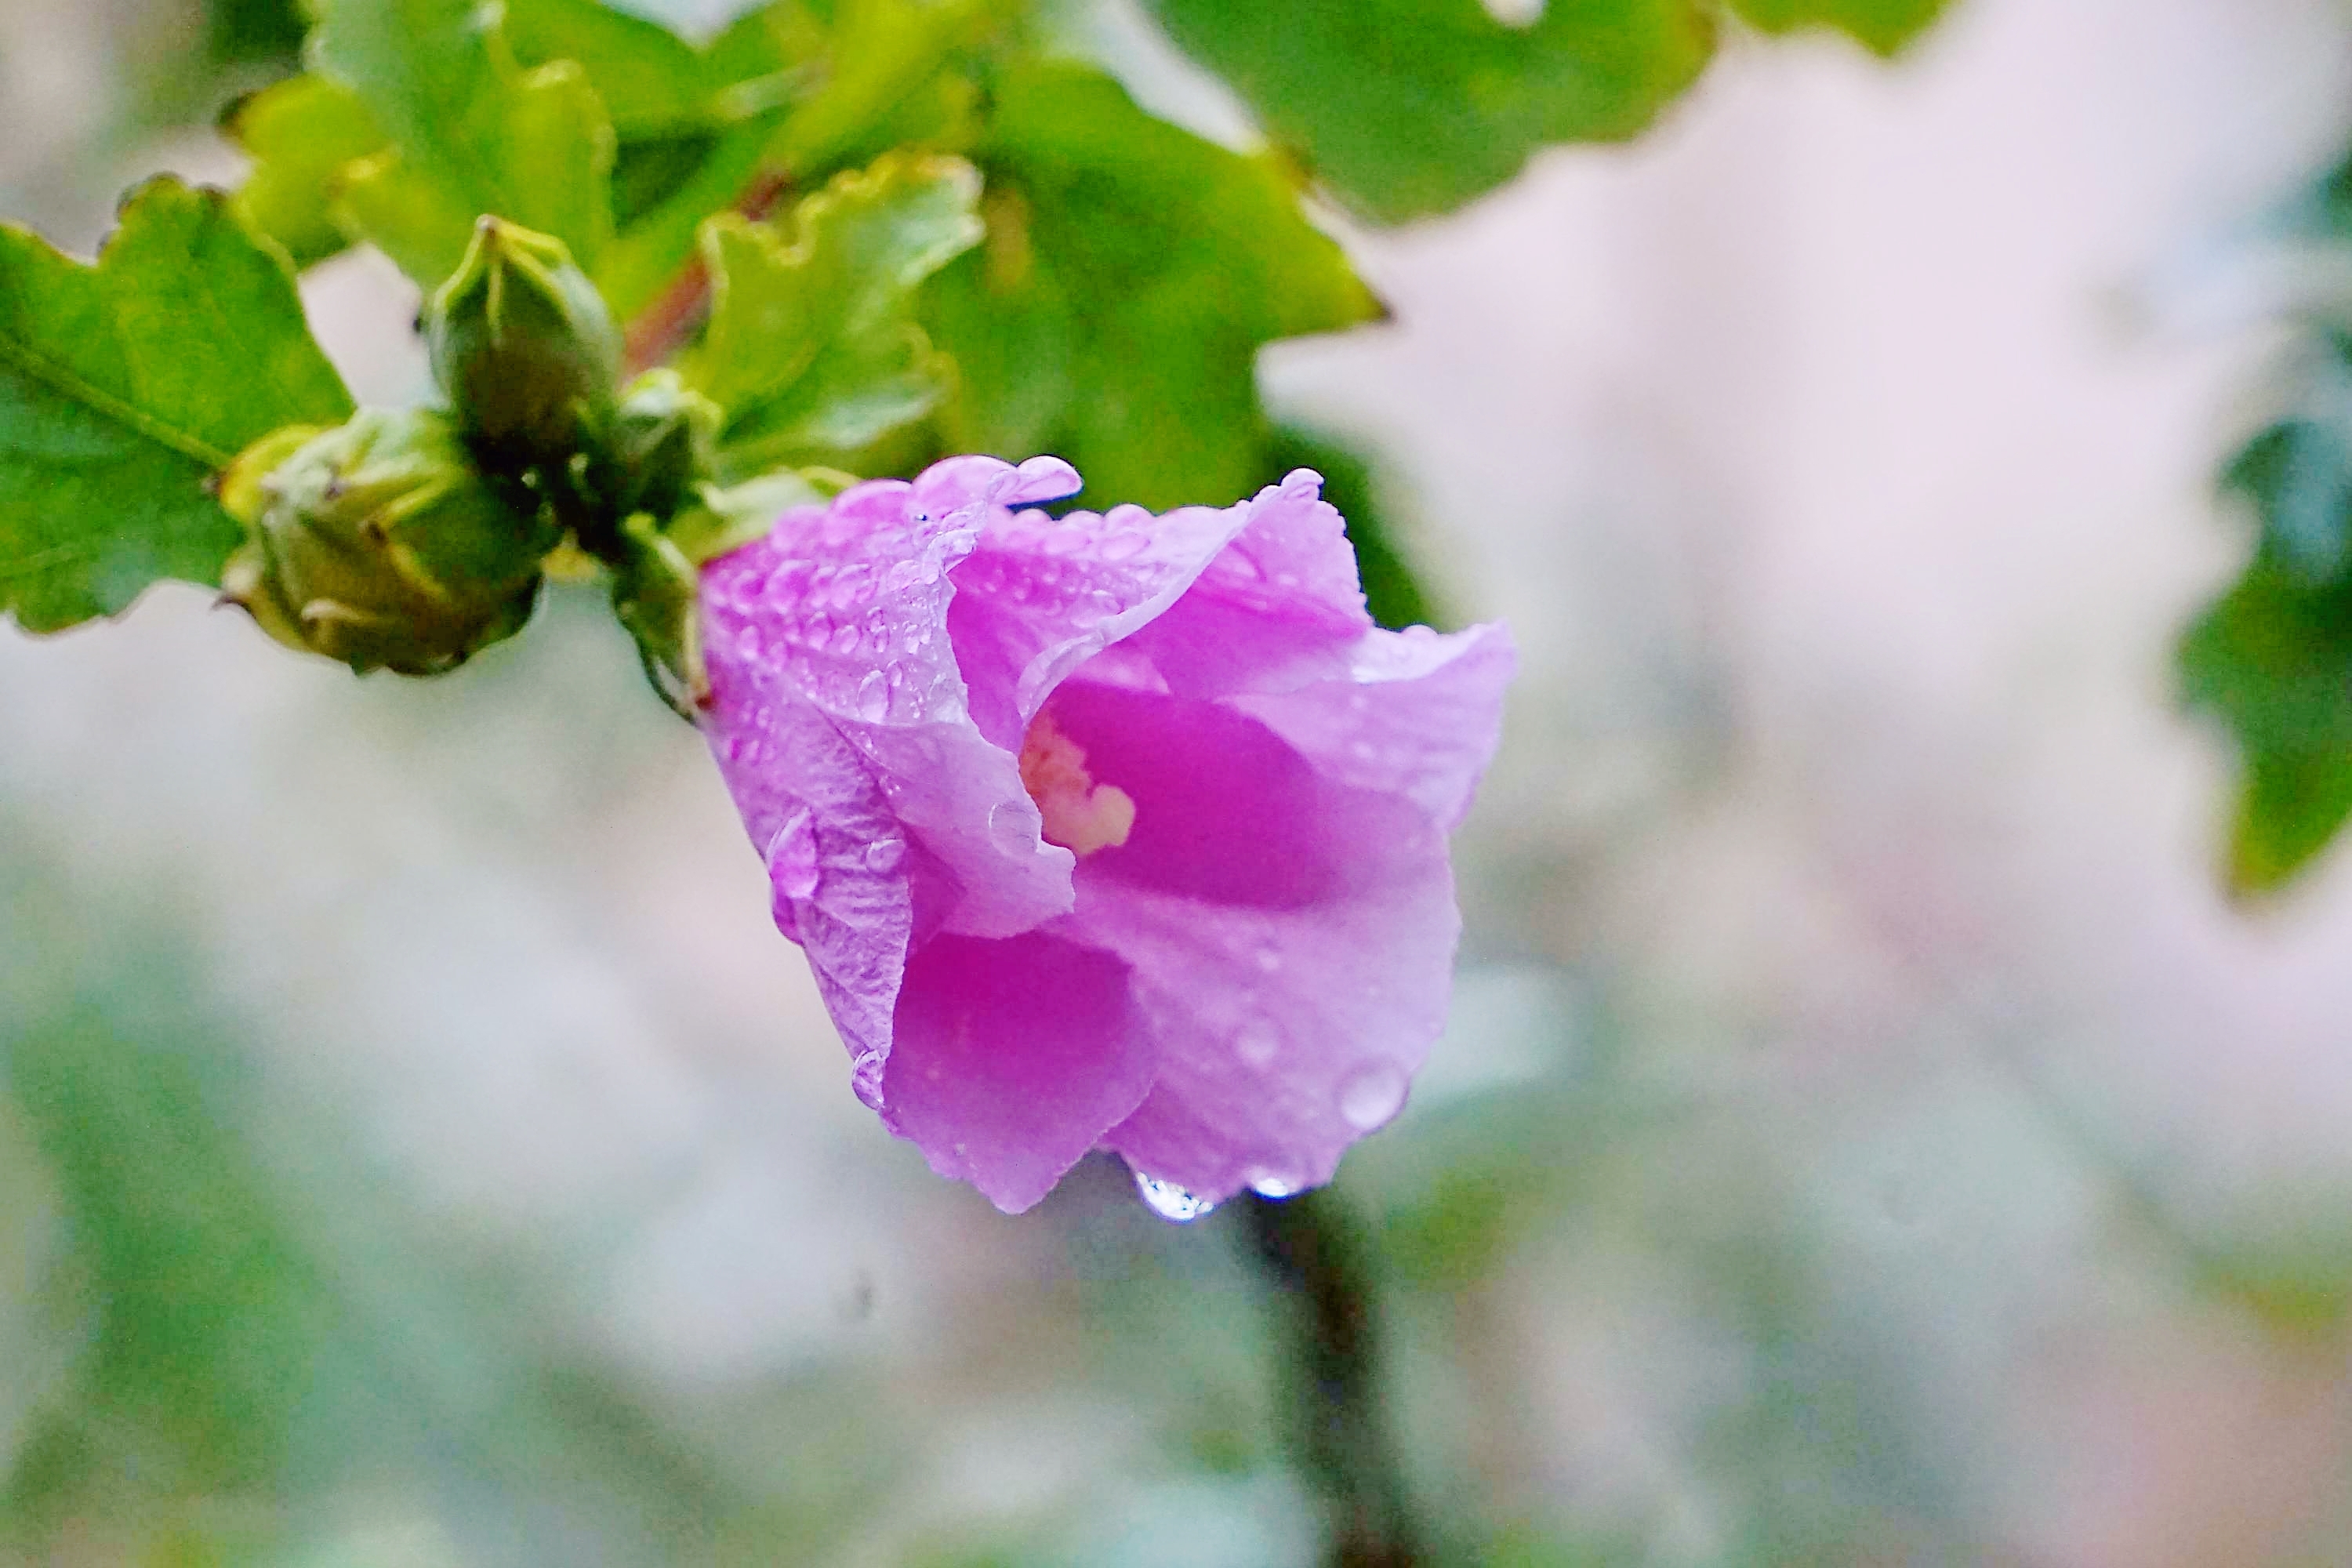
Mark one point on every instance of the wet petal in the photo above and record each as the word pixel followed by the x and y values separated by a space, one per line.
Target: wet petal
pixel 842 611
pixel 1013 1058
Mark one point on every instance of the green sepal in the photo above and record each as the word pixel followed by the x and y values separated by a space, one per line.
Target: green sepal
pixel 664 444
pixel 378 544
pixel 657 595
pixel 523 345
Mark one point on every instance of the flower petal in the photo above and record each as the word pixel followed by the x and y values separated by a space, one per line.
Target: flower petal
pixel 1417 715
pixel 1040 595
pixel 1013 1058
pixel 1283 1034
pixel 842 611
pixel 1285 897
pixel 1276 609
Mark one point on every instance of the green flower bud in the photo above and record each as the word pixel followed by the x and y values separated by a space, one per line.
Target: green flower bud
pixel 376 543
pixel 524 346
pixel 657 594
pixel 664 439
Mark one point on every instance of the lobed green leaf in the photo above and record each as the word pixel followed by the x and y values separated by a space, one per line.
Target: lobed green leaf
pixel 1405 108
pixel 1884 27
pixel 1131 273
pixel 812 347
pixel 2273 659
pixel 124 386
pixel 301 133
pixel 470 132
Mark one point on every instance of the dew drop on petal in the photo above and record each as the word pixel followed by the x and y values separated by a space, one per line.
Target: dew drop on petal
pixel 1169 1201
pixel 1267 1183
pixel 873 697
pixel 792 856
pixel 1269 961
pixel 1257 1043
pixel 883 854
pixel 1372 1095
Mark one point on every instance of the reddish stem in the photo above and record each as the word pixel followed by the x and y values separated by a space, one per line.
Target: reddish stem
pixel 669 323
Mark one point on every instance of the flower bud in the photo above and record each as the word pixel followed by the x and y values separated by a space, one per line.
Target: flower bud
pixel 657 594
pixel 664 438
pixel 524 346
pixel 376 543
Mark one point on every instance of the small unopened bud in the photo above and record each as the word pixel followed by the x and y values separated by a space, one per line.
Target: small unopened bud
pixel 376 543
pixel 657 595
pixel 664 438
pixel 524 346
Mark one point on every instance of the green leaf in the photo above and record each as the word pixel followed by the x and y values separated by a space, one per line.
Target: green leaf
pixel 651 80
pixel 301 134
pixel 1410 107
pixel 471 132
pixel 125 387
pixel 1882 26
pixel 881 75
pixel 813 346
pixel 2274 660
pixel 1132 271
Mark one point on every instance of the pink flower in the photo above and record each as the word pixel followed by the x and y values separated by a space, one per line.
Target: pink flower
pixel 1115 831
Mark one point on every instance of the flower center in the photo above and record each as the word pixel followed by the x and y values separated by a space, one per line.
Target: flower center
pixel 1081 815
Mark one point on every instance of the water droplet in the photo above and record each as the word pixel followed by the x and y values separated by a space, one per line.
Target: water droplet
pixel 1371 1095
pixel 792 856
pixel 1123 545
pixel 883 854
pixel 1268 960
pixel 1362 751
pixel 873 697
pixel 865 1079
pixel 1271 1183
pixel 1257 1043
pixel 843 640
pixel 1169 1201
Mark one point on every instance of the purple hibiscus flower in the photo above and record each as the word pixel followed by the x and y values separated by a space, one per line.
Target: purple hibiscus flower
pixel 1113 831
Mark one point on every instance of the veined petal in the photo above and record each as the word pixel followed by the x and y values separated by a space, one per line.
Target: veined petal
pixel 842 611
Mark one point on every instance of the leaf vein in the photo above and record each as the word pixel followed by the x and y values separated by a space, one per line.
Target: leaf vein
pixel 38 366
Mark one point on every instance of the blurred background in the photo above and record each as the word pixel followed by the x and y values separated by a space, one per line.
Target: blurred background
pixel 1867 1135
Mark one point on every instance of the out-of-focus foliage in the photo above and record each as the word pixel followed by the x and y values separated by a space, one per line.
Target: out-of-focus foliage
pixel 1406 108
pixel 1410 107
pixel 1884 25
pixel 1130 274
pixel 469 134
pixel 2272 658
pixel 124 386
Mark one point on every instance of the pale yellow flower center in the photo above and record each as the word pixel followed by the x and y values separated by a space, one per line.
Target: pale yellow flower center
pixel 1080 814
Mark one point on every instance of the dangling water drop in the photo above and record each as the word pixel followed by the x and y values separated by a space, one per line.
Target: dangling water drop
pixel 1169 1201
pixel 1270 1183
pixel 1371 1095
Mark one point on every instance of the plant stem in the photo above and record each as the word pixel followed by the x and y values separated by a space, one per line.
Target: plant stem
pixel 1316 1258
pixel 667 324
